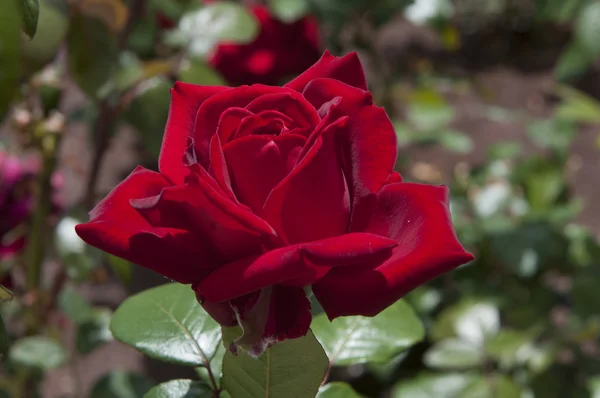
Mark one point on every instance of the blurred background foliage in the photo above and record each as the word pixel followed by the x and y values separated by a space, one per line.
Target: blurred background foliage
pixel 499 99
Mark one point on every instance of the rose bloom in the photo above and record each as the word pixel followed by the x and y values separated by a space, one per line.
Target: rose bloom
pixel 279 51
pixel 264 191
pixel 16 200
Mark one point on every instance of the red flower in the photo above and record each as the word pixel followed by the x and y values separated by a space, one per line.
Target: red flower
pixel 264 190
pixel 280 50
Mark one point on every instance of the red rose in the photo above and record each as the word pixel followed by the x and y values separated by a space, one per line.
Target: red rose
pixel 264 190
pixel 280 50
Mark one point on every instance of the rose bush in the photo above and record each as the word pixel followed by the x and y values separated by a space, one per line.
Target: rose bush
pixel 263 191
pixel 280 50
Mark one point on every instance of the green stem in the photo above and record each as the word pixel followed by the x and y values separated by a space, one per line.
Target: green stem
pixel 38 233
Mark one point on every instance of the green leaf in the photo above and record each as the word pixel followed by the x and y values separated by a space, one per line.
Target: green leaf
pixel 292 368
pixel 74 305
pixel 122 269
pixel 456 141
pixel 358 339
pixel 10 53
pixel 52 28
pixel 428 111
pixel 5 294
pixel 587 28
pixel 216 366
pixel 492 387
pixel 454 354
pixel 552 133
pixel 180 389
pixel 38 352
pixel 196 71
pixel 30 12
pixel 478 323
pixel 289 10
pixel 576 106
pixel 337 390
pixel 92 54
pixel 593 384
pixel 120 384
pixel 149 111
pixel 223 21
pixel 448 385
pixel 510 347
pixel 167 323
pixel 94 332
pixel 573 62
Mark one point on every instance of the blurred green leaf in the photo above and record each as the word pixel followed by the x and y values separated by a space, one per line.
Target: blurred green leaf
pixel 5 294
pixel 337 390
pixel 223 21
pixel 470 312
pixel 573 62
pixel 180 389
pixel 428 111
pixel 38 352
pixel 94 332
pixel 167 323
pixel 587 28
pixel 196 71
pixel 92 54
pixel 488 387
pixel 552 133
pixel 505 150
pixel 594 386
pixel 454 354
pixel 456 141
pixel 289 10
pixel 424 299
pixel 30 12
pixel 510 347
pixel 576 106
pixel 148 112
pixel 447 385
pixel 51 30
pixel 10 53
pixel 123 269
pixel 74 305
pixel 120 384
pixel 292 368
pixel 357 339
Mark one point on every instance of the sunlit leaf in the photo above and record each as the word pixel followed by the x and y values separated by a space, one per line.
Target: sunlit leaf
pixel 167 323
pixel 454 354
pixel 292 368
pixel 358 339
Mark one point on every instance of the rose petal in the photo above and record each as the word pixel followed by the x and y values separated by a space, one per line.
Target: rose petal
pixel 185 101
pixel 346 69
pixel 290 103
pixel 257 124
pixel 258 163
pixel 229 122
pixel 417 217
pixel 218 167
pixel 297 265
pixel 368 148
pixel 209 114
pixel 231 230
pixel 312 202
pixel 117 228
